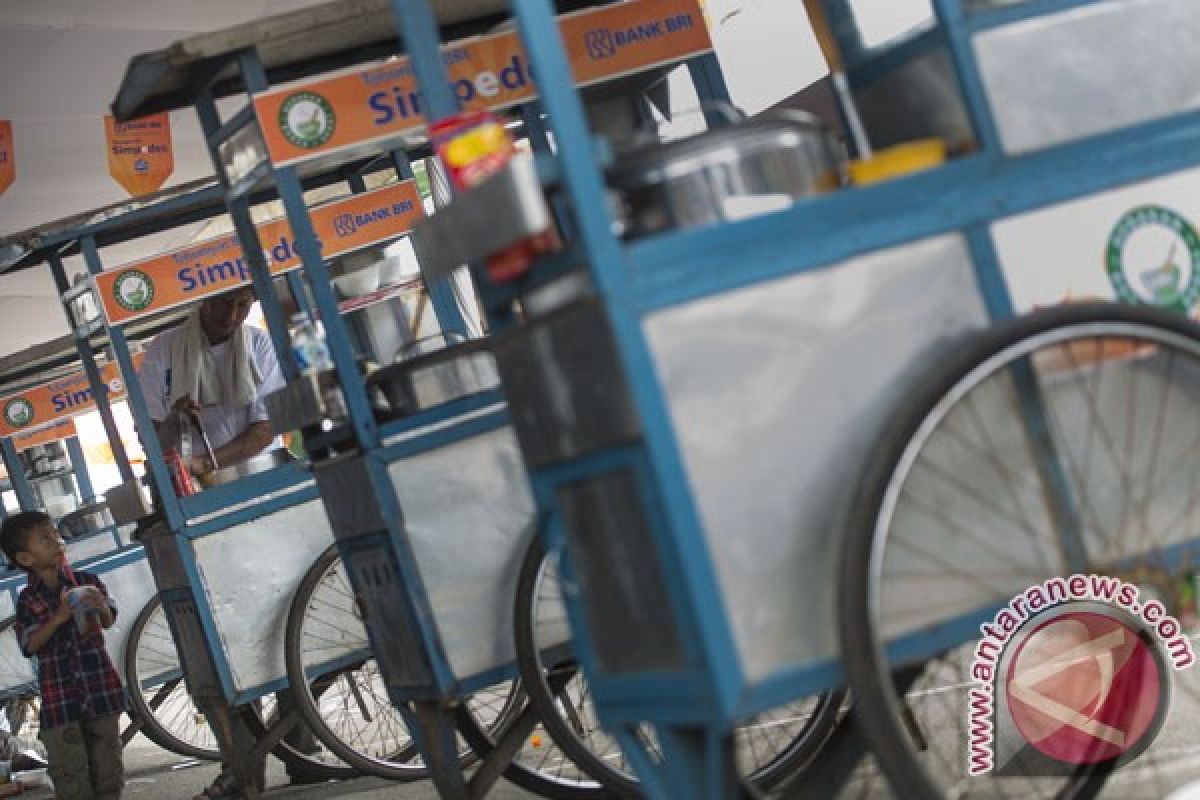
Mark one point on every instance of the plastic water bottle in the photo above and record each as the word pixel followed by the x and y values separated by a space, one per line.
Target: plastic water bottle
pixel 308 345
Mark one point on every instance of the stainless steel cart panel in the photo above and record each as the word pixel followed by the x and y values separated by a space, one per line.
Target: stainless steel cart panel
pixel 250 573
pixel 1057 254
pixel 826 356
pixel 468 513
pixel 1090 69
pixel 90 547
pixel 131 586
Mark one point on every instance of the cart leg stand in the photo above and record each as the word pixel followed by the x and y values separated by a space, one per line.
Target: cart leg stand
pixel 234 739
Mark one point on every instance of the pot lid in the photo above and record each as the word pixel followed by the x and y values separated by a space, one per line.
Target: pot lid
pixel 770 130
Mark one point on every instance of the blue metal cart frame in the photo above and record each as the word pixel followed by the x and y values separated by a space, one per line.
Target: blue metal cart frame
pixel 169 550
pixel 694 693
pixel 373 541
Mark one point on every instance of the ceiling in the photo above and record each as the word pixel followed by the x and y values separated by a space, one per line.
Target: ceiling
pixel 61 62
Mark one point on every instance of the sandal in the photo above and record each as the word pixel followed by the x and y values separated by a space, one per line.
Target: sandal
pixel 225 787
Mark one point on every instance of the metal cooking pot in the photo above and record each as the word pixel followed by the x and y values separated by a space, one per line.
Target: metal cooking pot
pixel 434 376
pixel 752 167
pixel 251 466
pixel 83 521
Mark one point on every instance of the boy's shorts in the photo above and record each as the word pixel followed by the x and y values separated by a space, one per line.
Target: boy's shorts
pixel 85 759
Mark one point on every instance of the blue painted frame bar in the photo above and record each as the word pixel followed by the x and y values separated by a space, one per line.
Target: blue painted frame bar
pixel 998 17
pixel 686 565
pixel 96 383
pixel 80 468
pixel 16 476
pixel 675 268
pixel 949 14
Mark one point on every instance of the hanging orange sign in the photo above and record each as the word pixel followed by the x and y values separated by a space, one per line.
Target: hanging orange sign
pixel 490 72
pixel 64 429
pixel 8 156
pixel 57 400
pixel 217 265
pixel 139 152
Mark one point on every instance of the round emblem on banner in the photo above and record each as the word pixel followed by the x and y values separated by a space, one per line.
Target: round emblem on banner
pixel 306 119
pixel 18 412
pixel 1153 258
pixel 133 290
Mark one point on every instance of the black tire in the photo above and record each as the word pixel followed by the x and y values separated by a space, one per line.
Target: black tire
pixel 786 757
pixel 887 719
pixel 388 751
pixel 166 724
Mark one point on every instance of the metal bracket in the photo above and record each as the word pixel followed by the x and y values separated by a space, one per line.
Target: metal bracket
pixel 506 208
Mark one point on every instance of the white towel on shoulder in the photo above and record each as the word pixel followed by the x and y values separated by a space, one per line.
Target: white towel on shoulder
pixel 195 372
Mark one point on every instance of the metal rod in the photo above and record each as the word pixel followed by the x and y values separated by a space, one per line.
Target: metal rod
pixel 79 464
pixel 99 388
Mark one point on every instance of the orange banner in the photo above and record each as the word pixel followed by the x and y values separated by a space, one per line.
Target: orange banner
pixel 8 156
pixel 345 110
pixel 217 265
pixel 139 152
pixel 57 400
pixel 63 429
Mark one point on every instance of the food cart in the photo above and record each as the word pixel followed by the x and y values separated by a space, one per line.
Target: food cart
pixel 799 331
pixel 433 506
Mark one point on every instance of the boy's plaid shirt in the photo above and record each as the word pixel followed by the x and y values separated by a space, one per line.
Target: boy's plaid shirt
pixel 76 675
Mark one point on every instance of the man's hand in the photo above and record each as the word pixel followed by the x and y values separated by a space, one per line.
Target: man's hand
pixel 186 405
pixel 200 466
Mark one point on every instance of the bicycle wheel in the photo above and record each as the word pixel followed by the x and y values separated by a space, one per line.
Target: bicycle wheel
pixel 24 716
pixel 1061 443
pixel 327 647
pixel 769 748
pixel 540 765
pixel 157 692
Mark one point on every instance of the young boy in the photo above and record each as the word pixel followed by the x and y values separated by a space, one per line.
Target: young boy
pixel 82 696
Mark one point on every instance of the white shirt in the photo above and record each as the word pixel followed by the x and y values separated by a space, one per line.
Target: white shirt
pixel 224 422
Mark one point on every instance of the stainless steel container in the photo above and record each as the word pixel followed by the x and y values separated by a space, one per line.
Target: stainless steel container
pixel 86 520
pixel 130 501
pixel 438 373
pixel 251 466
pixel 749 168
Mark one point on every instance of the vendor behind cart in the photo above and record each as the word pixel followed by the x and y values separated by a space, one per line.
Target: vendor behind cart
pixel 216 367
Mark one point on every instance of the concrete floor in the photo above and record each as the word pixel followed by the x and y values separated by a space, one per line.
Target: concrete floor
pixel 154 774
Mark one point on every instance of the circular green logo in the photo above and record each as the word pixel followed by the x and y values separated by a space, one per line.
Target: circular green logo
pixel 18 412
pixel 133 290
pixel 1153 258
pixel 307 119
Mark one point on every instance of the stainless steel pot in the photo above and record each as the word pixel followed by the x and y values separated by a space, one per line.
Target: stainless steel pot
pixel 435 376
pixel 752 167
pixel 251 466
pixel 83 521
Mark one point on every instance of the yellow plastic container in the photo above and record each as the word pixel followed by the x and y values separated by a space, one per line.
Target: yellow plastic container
pixel 901 159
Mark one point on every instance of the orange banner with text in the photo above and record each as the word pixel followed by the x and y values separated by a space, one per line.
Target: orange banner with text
pixel 139 152
pixel 57 400
pixel 8 156
pixel 217 265
pixel 348 109
pixel 64 429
